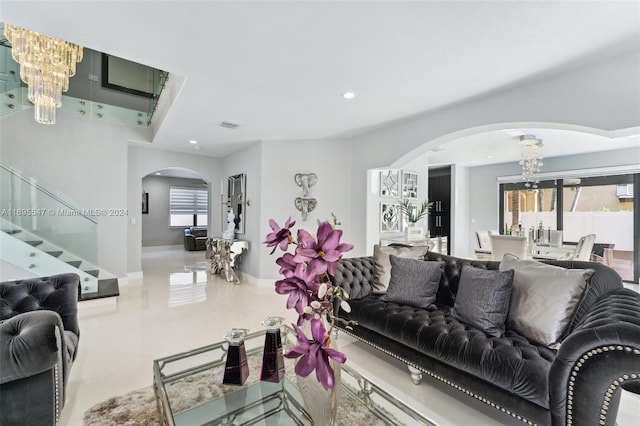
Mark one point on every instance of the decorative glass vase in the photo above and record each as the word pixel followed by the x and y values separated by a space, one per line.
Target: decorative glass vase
pixel 236 368
pixel 322 404
pixel 272 368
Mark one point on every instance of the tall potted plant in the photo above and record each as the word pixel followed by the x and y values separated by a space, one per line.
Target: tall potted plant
pixel 413 214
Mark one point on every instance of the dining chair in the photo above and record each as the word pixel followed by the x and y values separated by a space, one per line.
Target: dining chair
pixel 583 249
pixel 503 244
pixel 483 244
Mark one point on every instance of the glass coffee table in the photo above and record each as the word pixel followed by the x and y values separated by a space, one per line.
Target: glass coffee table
pixel 189 391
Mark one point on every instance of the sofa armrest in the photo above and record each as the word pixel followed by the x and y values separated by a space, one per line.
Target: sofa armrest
pixel 34 368
pixel 600 355
pixel 31 343
pixel 355 276
pixel 189 240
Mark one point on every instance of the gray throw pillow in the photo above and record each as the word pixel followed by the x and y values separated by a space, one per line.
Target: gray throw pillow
pixel 483 299
pixel 413 282
pixel 544 299
pixel 382 272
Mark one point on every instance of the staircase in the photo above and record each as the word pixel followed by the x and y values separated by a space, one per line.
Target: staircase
pixel 38 237
pixel 37 258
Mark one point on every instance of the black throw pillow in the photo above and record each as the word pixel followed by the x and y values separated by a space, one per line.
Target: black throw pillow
pixel 413 282
pixel 483 299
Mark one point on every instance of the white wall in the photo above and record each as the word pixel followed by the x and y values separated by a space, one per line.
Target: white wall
pixel 460 210
pixel 155 224
pixel 83 158
pixel 281 160
pixel 143 161
pixel 605 95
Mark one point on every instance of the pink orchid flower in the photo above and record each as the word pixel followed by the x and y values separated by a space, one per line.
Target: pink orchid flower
pixel 323 254
pixel 315 355
pixel 299 285
pixel 280 237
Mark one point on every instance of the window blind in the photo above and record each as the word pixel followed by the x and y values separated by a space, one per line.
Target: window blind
pixel 187 201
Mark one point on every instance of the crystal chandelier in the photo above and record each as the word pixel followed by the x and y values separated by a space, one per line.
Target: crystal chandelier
pixel 46 63
pixel 531 161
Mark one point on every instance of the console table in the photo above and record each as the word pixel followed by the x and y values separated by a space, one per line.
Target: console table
pixel 224 256
pixel 436 244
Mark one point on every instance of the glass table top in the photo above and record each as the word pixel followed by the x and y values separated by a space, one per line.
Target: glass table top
pixel 189 391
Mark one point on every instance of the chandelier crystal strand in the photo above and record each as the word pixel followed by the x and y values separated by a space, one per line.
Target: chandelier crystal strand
pixel 46 63
pixel 531 161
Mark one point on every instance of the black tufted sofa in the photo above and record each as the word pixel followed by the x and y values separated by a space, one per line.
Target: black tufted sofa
pixel 579 384
pixel 38 343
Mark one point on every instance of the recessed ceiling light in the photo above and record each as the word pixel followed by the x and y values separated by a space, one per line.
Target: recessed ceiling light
pixel 158 173
pixel 192 142
pixel 488 157
pixel 348 95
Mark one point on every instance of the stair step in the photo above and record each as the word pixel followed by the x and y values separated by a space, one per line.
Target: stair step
pixel 94 272
pixel 55 253
pixel 34 243
pixel 12 231
pixel 107 287
pixel 75 263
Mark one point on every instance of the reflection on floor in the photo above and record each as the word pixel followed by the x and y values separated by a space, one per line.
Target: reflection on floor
pixel 178 307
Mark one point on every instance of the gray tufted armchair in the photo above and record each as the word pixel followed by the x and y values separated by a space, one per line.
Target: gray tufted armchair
pixel 38 343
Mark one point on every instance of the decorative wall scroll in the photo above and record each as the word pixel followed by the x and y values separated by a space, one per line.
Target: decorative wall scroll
pixel 304 204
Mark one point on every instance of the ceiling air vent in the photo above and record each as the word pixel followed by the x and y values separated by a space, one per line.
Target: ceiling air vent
pixel 229 125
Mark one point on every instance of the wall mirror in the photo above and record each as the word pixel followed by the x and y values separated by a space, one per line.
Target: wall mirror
pixel 237 200
pixel 409 185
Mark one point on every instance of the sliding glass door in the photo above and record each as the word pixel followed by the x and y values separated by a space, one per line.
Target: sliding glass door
pixel 600 205
pixel 525 208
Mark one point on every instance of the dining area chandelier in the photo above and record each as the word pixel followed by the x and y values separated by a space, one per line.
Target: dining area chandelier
pixel 531 160
pixel 46 64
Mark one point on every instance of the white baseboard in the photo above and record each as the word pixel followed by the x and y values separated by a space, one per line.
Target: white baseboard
pixel 258 282
pixel 103 303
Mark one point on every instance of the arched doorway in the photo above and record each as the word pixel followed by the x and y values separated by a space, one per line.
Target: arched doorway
pixel 175 198
pixel 482 155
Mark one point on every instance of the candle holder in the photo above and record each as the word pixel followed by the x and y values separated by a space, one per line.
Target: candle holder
pixel 272 368
pixel 236 369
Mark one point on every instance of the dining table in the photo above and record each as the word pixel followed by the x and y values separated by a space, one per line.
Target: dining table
pixel 550 252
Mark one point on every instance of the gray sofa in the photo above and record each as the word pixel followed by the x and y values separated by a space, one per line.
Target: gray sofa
pixel 195 238
pixel 578 383
pixel 39 335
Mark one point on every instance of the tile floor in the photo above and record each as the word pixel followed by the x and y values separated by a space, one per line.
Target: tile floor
pixel 178 307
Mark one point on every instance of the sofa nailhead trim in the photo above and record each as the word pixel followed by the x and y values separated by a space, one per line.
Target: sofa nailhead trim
pixel 610 390
pixel 55 378
pixel 442 379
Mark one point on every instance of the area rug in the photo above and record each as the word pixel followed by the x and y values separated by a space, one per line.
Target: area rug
pixel 139 408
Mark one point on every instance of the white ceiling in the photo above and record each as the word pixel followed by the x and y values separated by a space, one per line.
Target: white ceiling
pixel 503 146
pixel 279 68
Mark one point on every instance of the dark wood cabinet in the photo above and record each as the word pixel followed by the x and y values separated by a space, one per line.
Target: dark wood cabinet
pixel 439 194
